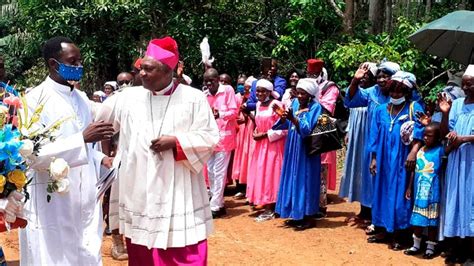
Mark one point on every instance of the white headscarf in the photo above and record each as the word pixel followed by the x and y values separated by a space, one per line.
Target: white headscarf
pixel 310 86
pixel 112 83
pixel 469 71
pixel 372 68
pixel 99 93
pixel 249 81
pixel 406 78
pixel 389 67
pixel 263 83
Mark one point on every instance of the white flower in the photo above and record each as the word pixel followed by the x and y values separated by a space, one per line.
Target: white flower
pixel 27 148
pixel 58 169
pixel 63 186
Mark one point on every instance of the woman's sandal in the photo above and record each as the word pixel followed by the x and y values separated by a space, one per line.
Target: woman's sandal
pixel 395 246
pixel 429 255
pixel 376 239
pixel 412 251
pixel 370 230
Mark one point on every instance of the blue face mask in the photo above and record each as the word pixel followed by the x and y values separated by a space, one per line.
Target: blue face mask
pixel 240 88
pixel 70 73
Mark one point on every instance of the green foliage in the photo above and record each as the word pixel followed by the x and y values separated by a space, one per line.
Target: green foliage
pixel 112 34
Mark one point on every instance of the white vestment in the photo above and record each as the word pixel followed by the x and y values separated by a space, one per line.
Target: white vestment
pixel 68 229
pixel 163 203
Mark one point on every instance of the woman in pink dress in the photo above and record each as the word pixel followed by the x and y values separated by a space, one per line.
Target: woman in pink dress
pixel 267 160
pixel 244 142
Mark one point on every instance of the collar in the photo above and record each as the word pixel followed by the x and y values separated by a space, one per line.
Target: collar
pixel 164 91
pixel 63 89
pixel 220 89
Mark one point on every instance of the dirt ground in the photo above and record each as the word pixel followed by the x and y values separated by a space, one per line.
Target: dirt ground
pixel 239 240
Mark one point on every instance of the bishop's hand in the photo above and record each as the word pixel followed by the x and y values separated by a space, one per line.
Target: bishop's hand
pixel 163 143
pixel 98 131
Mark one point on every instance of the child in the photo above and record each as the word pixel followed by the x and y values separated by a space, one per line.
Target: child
pixel 426 194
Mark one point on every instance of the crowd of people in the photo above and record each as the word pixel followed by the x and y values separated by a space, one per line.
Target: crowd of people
pixel 409 163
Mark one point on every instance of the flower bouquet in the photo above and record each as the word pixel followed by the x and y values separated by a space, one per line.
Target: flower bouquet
pixel 20 142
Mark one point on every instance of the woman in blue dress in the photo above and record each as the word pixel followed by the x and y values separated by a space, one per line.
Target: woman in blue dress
pixel 298 195
pixel 391 153
pixel 457 215
pixel 353 184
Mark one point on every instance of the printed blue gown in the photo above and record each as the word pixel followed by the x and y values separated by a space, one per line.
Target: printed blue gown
pixel 298 195
pixel 390 209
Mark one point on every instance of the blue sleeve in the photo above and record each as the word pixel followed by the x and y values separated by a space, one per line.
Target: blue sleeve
pixel 418 128
pixel 281 126
pixel 360 99
pixel 375 129
pixel 453 114
pixel 416 96
pixel 309 119
pixel 252 101
pixel 279 85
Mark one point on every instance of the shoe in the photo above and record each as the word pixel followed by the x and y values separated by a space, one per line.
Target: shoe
pixel 239 196
pixel 290 223
pixel 395 246
pixel 268 215
pixel 429 255
pixel 320 215
pixel 219 213
pixel 376 239
pixel 107 231
pixel 118 251
pixel 412 251
pixel 304 224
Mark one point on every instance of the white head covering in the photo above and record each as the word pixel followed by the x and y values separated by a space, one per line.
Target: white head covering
pixel 263 83
pixel 310 86
pixel 372 68
pixel 249 81
pixel 389 67
pixel 112 83
pixel 406 78
pixel 99 93
pixel 469 71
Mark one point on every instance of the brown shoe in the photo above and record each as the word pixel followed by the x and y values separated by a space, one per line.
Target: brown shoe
pixel 118 248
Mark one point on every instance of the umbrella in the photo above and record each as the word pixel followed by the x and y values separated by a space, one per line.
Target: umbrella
pixel 451 37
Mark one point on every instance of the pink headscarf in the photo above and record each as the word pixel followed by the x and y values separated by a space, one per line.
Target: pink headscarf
pixel 164 50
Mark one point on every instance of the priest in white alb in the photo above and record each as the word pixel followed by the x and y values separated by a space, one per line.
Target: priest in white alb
pixel 67 228
pixel 167 133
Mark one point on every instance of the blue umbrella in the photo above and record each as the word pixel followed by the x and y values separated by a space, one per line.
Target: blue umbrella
pixel 450 37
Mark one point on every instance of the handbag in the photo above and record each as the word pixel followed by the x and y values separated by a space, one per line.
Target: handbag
pixel 324 137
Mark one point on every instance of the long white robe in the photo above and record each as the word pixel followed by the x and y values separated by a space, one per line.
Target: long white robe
pixel 163 203
pixel 68 229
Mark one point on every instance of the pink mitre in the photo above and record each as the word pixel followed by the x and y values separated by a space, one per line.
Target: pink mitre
pixel 164 50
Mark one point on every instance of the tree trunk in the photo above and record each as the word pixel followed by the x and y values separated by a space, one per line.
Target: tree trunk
pixel 388 15
pixel 376 8
pixel 349 17
pixel 428 7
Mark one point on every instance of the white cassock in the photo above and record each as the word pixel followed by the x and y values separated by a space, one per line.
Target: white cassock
pixel 68 229
pixel 162 203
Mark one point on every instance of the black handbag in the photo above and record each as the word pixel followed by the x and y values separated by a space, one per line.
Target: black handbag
pixel 324 137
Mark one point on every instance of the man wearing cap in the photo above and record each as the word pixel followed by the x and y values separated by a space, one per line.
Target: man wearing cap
pixel 167 134
pixel 66 229
pixel 269 72
pixel 223 103
pixel 329 92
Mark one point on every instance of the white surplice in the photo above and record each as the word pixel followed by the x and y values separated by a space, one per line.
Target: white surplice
pixel 68 229
pixel 163 203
